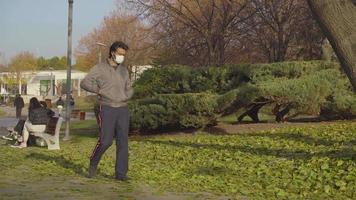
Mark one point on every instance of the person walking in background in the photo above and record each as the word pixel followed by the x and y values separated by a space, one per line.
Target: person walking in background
pixel 18 104
pixel 60 105
pixel 71 101
pixel 60 102
pixel 110 81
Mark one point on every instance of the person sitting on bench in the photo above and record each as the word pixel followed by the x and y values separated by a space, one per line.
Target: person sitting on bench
pixel 38 117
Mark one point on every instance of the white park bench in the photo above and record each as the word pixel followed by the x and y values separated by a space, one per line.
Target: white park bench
pixel 51 140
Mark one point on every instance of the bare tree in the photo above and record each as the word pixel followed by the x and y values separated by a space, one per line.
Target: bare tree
pixel 337 18
pixel 21 62
pixel 284 29
pixel 203 32
pixel 126 28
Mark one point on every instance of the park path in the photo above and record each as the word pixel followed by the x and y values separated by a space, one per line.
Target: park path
pixel 8 120
pixel 10 111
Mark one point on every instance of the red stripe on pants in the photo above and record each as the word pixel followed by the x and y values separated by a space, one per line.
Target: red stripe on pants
pixel 99 137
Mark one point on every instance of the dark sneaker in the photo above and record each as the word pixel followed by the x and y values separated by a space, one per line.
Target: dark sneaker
pixel 92 171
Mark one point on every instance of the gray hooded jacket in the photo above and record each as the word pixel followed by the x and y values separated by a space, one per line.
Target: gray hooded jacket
pixel 113 86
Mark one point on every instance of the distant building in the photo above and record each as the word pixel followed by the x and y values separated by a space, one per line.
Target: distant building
pixel 136 71
pixel 38 83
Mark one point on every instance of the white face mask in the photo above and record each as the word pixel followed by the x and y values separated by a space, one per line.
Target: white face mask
pixel 119 59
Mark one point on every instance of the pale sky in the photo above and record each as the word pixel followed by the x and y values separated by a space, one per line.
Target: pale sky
pixel 40 26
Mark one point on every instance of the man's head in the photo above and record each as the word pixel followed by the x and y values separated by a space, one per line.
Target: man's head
pixel 118 51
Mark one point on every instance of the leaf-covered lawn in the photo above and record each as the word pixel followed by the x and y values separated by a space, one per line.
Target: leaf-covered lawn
pixel 293 163
pixel 2 113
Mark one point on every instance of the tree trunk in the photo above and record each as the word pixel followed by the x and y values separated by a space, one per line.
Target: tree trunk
pixel 337 19
pixel 252 113
pixel 280 114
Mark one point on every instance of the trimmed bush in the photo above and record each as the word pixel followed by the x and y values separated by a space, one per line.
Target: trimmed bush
pixel 342 101
pixel 305 95
pixel 173 111
pixel 289 70
pixel 326 92
pixel 182 97
pixel 237 98
pixel 163 80
pixel 182 79
pixel 178 79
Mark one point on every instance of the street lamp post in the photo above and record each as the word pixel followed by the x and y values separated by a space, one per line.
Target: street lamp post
pixel 100 45
pixel 69 68
pixel 51 87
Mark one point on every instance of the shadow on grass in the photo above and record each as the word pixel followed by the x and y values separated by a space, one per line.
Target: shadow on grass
pixel 320 119
pixel 60 160
pixel 345 153
pixel 216 130
pixel 298 137
pixel 85 132
pixel 252 122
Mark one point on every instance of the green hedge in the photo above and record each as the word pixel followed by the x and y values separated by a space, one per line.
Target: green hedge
pixel 237 98
pixel 176 97
pixel 309 94
pixel 165 80
pixel 326 92
pixel 342 101
pixel 173 111
pixel 289 70
pixel 182 79
pixel 305 95
pixel 178 79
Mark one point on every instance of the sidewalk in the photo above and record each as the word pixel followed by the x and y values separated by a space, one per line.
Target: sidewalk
pixel 10 111
pixel 9 120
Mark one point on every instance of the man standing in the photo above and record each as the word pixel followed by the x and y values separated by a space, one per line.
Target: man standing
pixel 18 104
pixel 60 102
pixel 110 81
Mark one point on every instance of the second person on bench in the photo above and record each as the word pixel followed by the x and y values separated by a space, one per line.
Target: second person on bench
pixel 38 117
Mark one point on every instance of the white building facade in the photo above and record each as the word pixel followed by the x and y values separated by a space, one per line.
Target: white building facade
pixel 40 84
pixel 49 84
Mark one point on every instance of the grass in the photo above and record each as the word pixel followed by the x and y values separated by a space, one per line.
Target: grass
pixel 2 113
pixel 85 103
pixel 293 163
